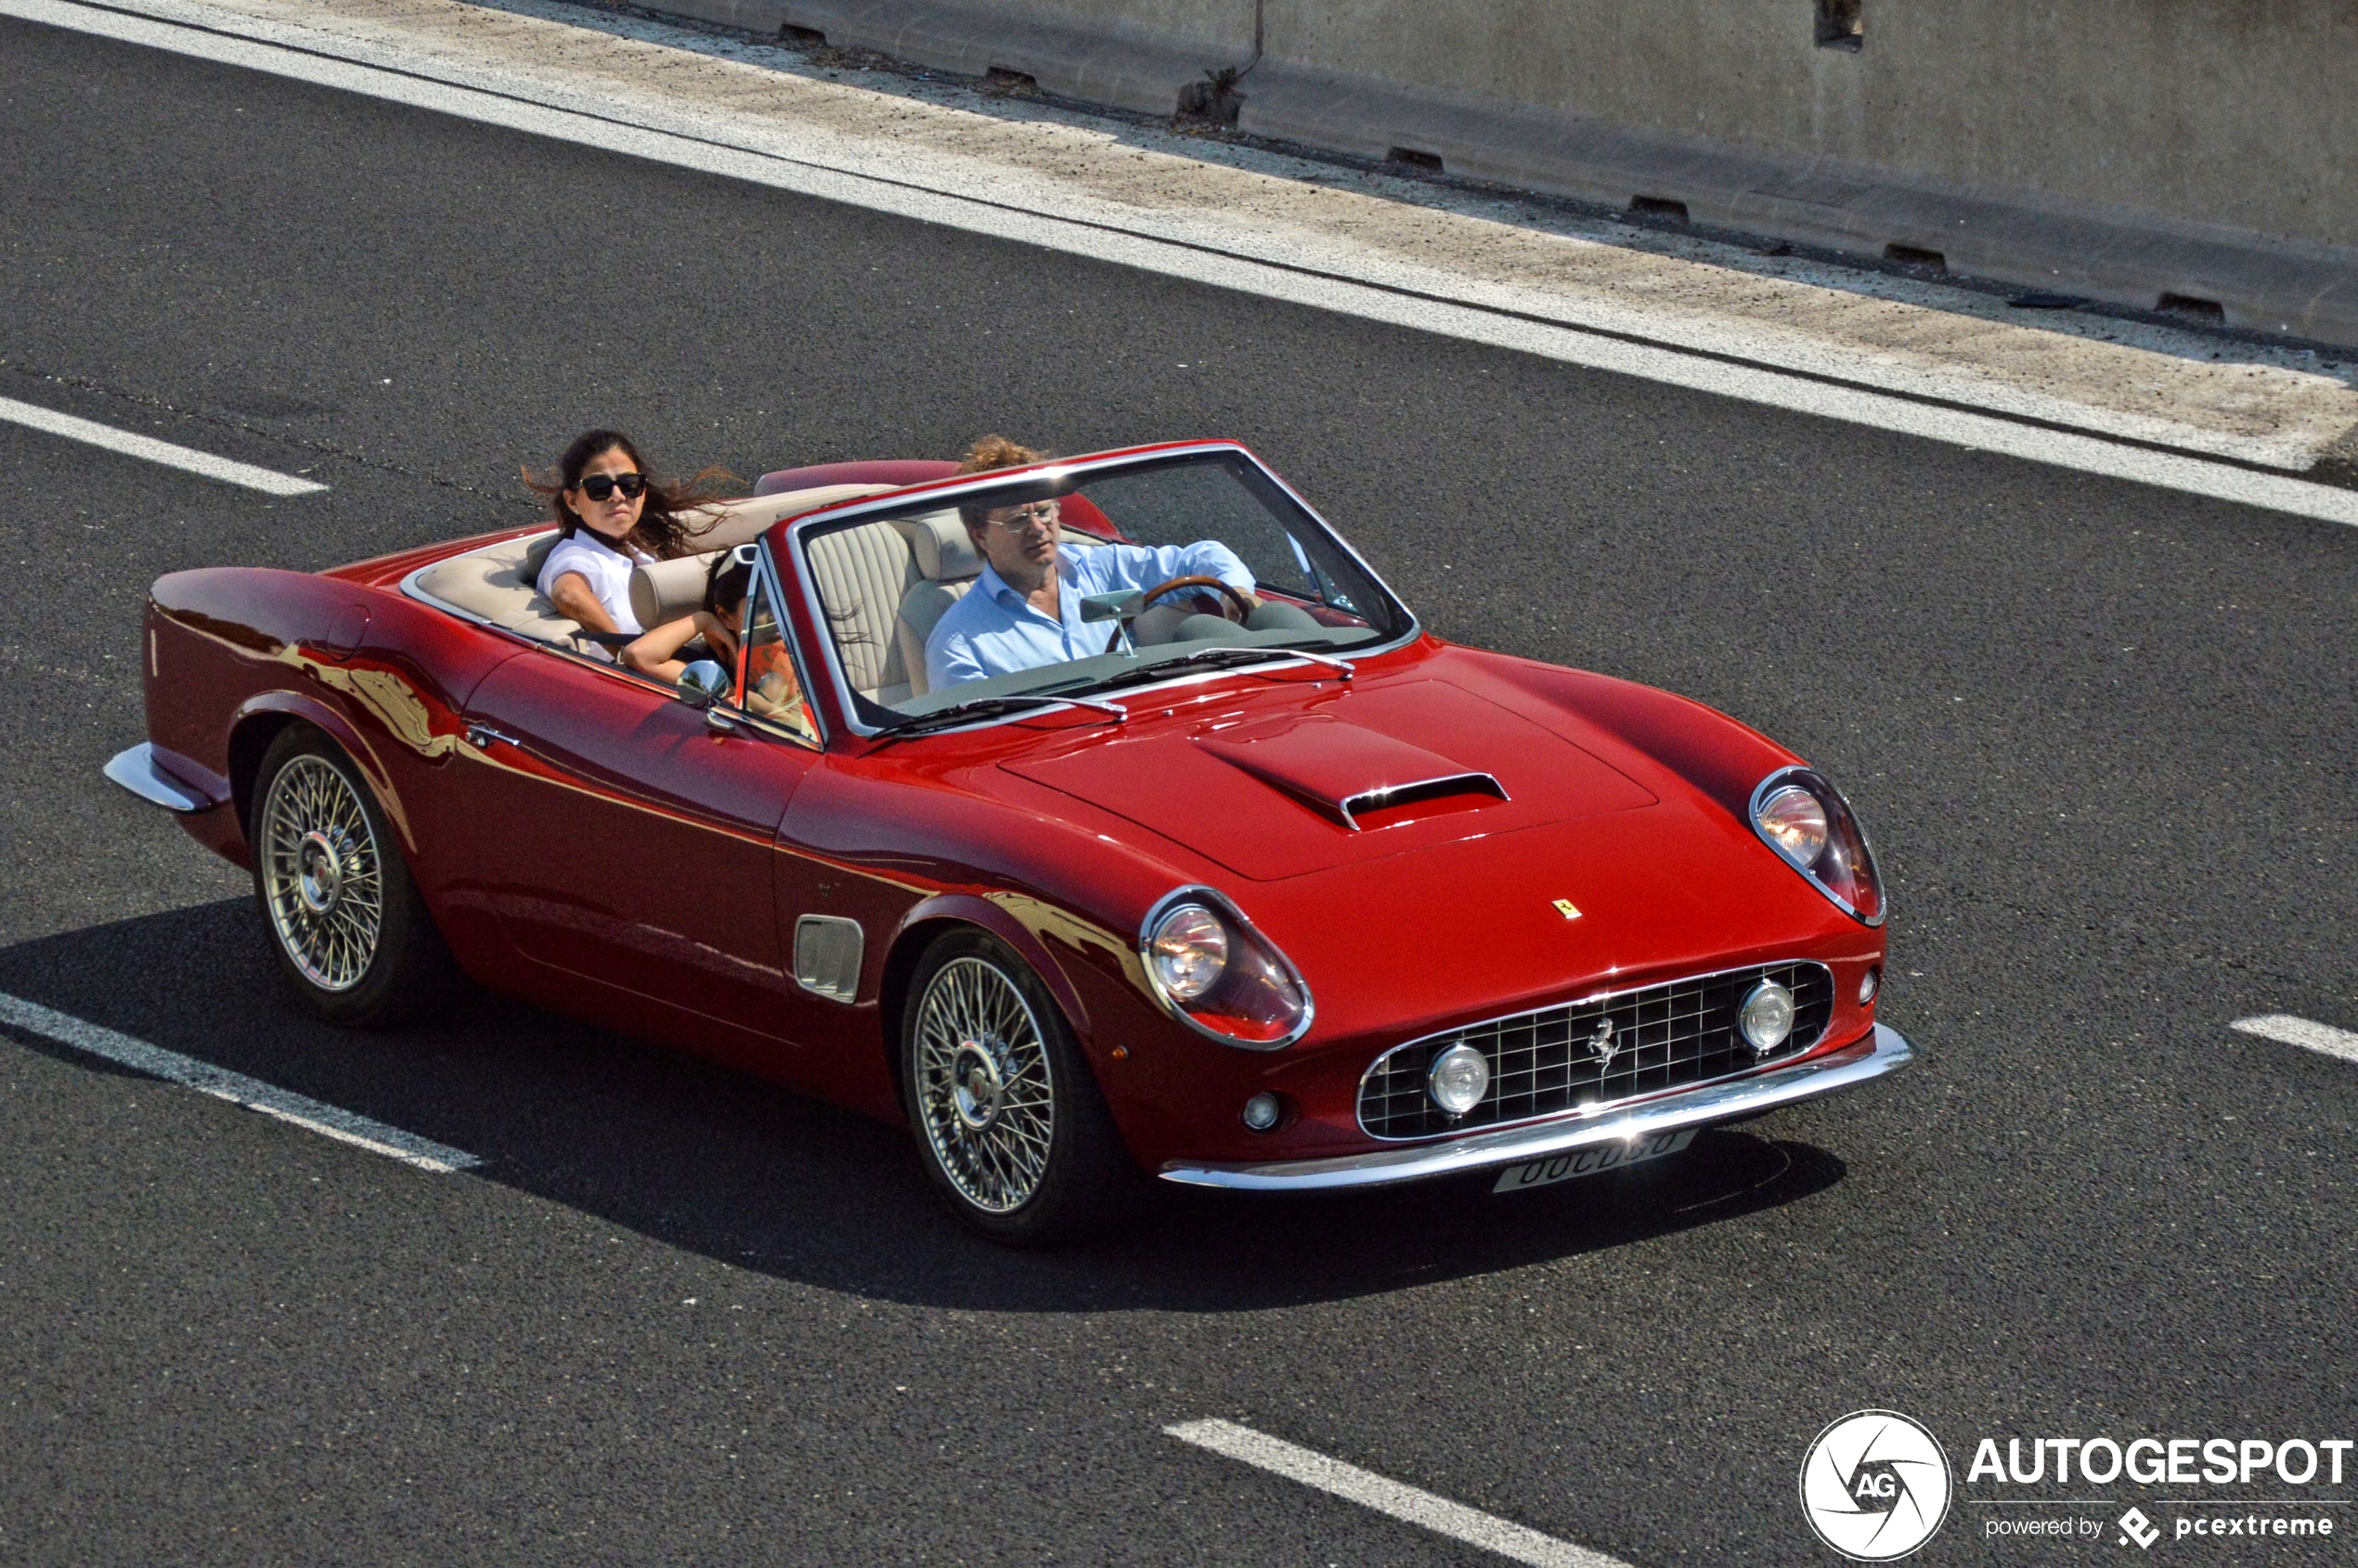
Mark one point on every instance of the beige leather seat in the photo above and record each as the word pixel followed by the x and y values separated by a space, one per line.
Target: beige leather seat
pixel 947 567
pixel 863 574
pixel 670 590
pixel 496 584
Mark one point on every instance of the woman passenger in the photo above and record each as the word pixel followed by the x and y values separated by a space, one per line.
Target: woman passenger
pixel 613 514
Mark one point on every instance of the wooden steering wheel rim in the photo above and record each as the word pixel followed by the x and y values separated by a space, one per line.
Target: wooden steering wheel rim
pixel 1175 584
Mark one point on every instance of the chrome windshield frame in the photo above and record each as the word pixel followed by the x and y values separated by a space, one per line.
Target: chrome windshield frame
pixel 941 494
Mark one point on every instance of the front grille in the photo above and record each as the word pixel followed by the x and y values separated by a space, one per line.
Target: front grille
pixel 1664 1037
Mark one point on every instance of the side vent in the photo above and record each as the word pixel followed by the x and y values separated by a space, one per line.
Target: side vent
pixel 826 956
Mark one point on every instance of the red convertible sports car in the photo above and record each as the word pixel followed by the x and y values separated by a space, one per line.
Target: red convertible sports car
pixel 1227 871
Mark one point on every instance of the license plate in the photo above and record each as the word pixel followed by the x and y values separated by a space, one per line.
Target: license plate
pixel 1615 1156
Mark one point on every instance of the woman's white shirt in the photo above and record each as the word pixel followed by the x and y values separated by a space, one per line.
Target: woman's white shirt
pixel 606 569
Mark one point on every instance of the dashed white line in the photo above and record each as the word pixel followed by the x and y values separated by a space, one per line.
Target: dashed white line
pixel 329 1122
pixel 1372 1491
pixel 818 166
pixel 2285 1030
pixel 148 449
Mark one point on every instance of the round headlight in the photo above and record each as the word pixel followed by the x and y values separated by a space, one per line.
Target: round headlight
pixel 1766 1016
pixel 1189 949
pixel 1796 823
pixel 1457 1079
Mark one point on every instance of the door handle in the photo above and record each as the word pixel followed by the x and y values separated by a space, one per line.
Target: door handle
pixel 480 736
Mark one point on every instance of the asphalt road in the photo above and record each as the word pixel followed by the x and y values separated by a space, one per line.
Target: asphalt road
pixel 2102 734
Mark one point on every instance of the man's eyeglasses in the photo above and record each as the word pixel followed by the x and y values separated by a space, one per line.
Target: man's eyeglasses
pixel 1022 517
pixel 601 487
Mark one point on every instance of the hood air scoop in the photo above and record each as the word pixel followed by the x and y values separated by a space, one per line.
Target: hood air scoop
pixel 1347 772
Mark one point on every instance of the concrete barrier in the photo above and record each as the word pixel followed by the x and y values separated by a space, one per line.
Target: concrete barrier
pixel 1132 54
pixel 2135 151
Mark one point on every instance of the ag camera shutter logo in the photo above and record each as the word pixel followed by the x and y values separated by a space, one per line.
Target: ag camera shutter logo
pixel 1875 1485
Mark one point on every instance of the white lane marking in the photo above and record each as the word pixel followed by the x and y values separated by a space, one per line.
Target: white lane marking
pixel 732 149
pixel 309 1114
pixel 2286 1029
pixel 1370 1490
pixel 268 481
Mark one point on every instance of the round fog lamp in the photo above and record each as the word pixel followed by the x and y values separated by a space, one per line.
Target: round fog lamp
pixel 1869 983
pixel 1766 1016
pixel 1261 1111
pixel 1458 1078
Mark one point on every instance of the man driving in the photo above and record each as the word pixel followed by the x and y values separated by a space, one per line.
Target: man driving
pixel 1023 611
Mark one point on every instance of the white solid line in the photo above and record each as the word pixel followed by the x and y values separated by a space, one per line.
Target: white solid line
pixel 1368 1490
pixel 2286 1029
pixel 268 481
pixel 236 1087
pixel 734 150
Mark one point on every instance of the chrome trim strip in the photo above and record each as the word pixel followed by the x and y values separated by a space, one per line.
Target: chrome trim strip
pixel 949 495
pixel 136 770
pixel 1423 789
pixel 1752 817
pixel 1198 893
pixel 1883 1052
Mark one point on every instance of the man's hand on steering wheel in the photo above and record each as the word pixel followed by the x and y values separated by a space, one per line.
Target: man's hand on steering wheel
pixel 1238 603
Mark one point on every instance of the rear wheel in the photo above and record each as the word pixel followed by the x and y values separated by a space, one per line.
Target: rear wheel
pixel 1007 1115
pixel 351 932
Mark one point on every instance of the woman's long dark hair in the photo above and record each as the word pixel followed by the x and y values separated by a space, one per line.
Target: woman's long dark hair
pixel 664 529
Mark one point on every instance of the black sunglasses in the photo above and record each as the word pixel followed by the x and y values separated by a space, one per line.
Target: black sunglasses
pixel 598 487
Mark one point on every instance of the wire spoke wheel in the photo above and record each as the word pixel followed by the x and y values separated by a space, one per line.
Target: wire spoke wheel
pixel 986 1093
pixel 321 872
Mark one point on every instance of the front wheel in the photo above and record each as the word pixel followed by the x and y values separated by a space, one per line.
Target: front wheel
pixel 351 932
pixel 1007 1115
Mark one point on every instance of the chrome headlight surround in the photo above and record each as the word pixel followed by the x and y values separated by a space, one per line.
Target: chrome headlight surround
pixel 1843 866
pixel 1257 977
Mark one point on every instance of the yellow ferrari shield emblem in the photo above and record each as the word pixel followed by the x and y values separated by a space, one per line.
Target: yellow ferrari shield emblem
pixel 1566 908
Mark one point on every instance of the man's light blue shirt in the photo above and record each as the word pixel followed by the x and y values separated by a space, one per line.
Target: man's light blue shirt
pixel 995 631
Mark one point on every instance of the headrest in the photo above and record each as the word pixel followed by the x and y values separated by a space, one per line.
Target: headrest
pixel 535 555
pixel 670 590
pixel 945 551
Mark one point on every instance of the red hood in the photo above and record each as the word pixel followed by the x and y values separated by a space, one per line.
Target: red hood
pixel 1337 781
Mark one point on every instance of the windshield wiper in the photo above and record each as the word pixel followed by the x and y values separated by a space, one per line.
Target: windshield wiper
pixel 992 707
pixel 1217 658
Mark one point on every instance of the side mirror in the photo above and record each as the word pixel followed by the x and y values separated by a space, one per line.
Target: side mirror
pixel 1118 606
pixel 704 683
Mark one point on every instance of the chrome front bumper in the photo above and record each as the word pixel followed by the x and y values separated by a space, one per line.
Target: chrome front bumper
pixel 1882 1052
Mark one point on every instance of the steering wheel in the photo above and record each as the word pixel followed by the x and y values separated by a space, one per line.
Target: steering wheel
pixel 1236 600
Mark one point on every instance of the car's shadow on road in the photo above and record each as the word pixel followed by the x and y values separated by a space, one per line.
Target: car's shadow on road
pixel 762 1179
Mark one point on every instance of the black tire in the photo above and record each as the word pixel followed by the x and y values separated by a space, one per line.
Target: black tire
pixel 982 1044
pixel 323 856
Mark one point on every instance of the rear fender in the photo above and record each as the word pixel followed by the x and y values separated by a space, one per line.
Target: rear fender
pixel 257 722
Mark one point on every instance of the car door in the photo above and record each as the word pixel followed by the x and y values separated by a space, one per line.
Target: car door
pixel 626 836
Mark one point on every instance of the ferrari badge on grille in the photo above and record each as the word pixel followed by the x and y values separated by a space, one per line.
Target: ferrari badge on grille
pixel 1601 1042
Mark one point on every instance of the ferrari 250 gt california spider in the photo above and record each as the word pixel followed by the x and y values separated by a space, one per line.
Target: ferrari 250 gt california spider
pixel 1226 872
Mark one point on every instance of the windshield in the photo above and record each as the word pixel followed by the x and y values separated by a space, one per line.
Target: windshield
pixel 1068 584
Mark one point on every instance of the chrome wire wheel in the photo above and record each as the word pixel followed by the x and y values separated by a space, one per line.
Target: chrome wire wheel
pixel 985 1093
pixel 322 877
